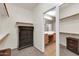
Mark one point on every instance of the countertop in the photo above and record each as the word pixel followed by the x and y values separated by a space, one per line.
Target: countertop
pixel 49 32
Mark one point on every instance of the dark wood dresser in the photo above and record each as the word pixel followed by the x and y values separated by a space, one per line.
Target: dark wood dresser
pixel 25 36
pixel 73 44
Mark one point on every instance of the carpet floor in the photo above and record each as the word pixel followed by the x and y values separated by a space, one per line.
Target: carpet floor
pixel 66 52
pixel 30 51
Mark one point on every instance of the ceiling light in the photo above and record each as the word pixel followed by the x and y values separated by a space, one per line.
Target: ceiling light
pixel 48 17
pixel 51 13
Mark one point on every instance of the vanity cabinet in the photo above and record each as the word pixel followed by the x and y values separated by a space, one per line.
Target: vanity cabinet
pixel 46 39
pixel 49 38
pixel 52 38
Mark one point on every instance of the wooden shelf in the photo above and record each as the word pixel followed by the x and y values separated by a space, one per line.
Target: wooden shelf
pixel 69 33
pixel 69 16
pixel 23 24
pixel 3 35
pixel 68 10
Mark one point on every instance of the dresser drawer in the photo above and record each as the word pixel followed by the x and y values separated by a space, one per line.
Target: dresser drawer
pixel 72 40
pixel 73 49
pixel 72 44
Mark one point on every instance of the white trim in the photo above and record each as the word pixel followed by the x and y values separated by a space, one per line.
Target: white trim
pixel 57 30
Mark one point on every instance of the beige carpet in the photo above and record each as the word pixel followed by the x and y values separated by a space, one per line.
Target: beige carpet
pixel 66 52
pixel 30 51
pixel 50 50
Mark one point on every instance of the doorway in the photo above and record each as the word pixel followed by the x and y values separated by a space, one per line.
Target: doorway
pixel 50 32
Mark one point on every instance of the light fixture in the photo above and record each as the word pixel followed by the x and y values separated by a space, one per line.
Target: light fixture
pixel 47 17
pixel 51 13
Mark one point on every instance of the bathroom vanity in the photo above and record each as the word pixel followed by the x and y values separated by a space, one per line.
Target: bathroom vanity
pixel 49 37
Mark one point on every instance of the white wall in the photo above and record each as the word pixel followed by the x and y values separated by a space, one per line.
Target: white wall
pixel 70 24
pixel 8 24
pixel 54 25
pixel 69 9
pixel 63 38
pixel 39 24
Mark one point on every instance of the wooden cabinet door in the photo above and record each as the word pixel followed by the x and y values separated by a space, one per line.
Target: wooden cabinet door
pixel 25 37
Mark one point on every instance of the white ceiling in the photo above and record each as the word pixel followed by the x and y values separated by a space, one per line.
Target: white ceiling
pixel 65 5
pixel 50 14
pixel 29 6
pixel 26 5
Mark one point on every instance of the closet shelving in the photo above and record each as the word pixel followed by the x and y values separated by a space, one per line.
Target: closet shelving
pixel 3 35
pixel 3 10
pixel 69 10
